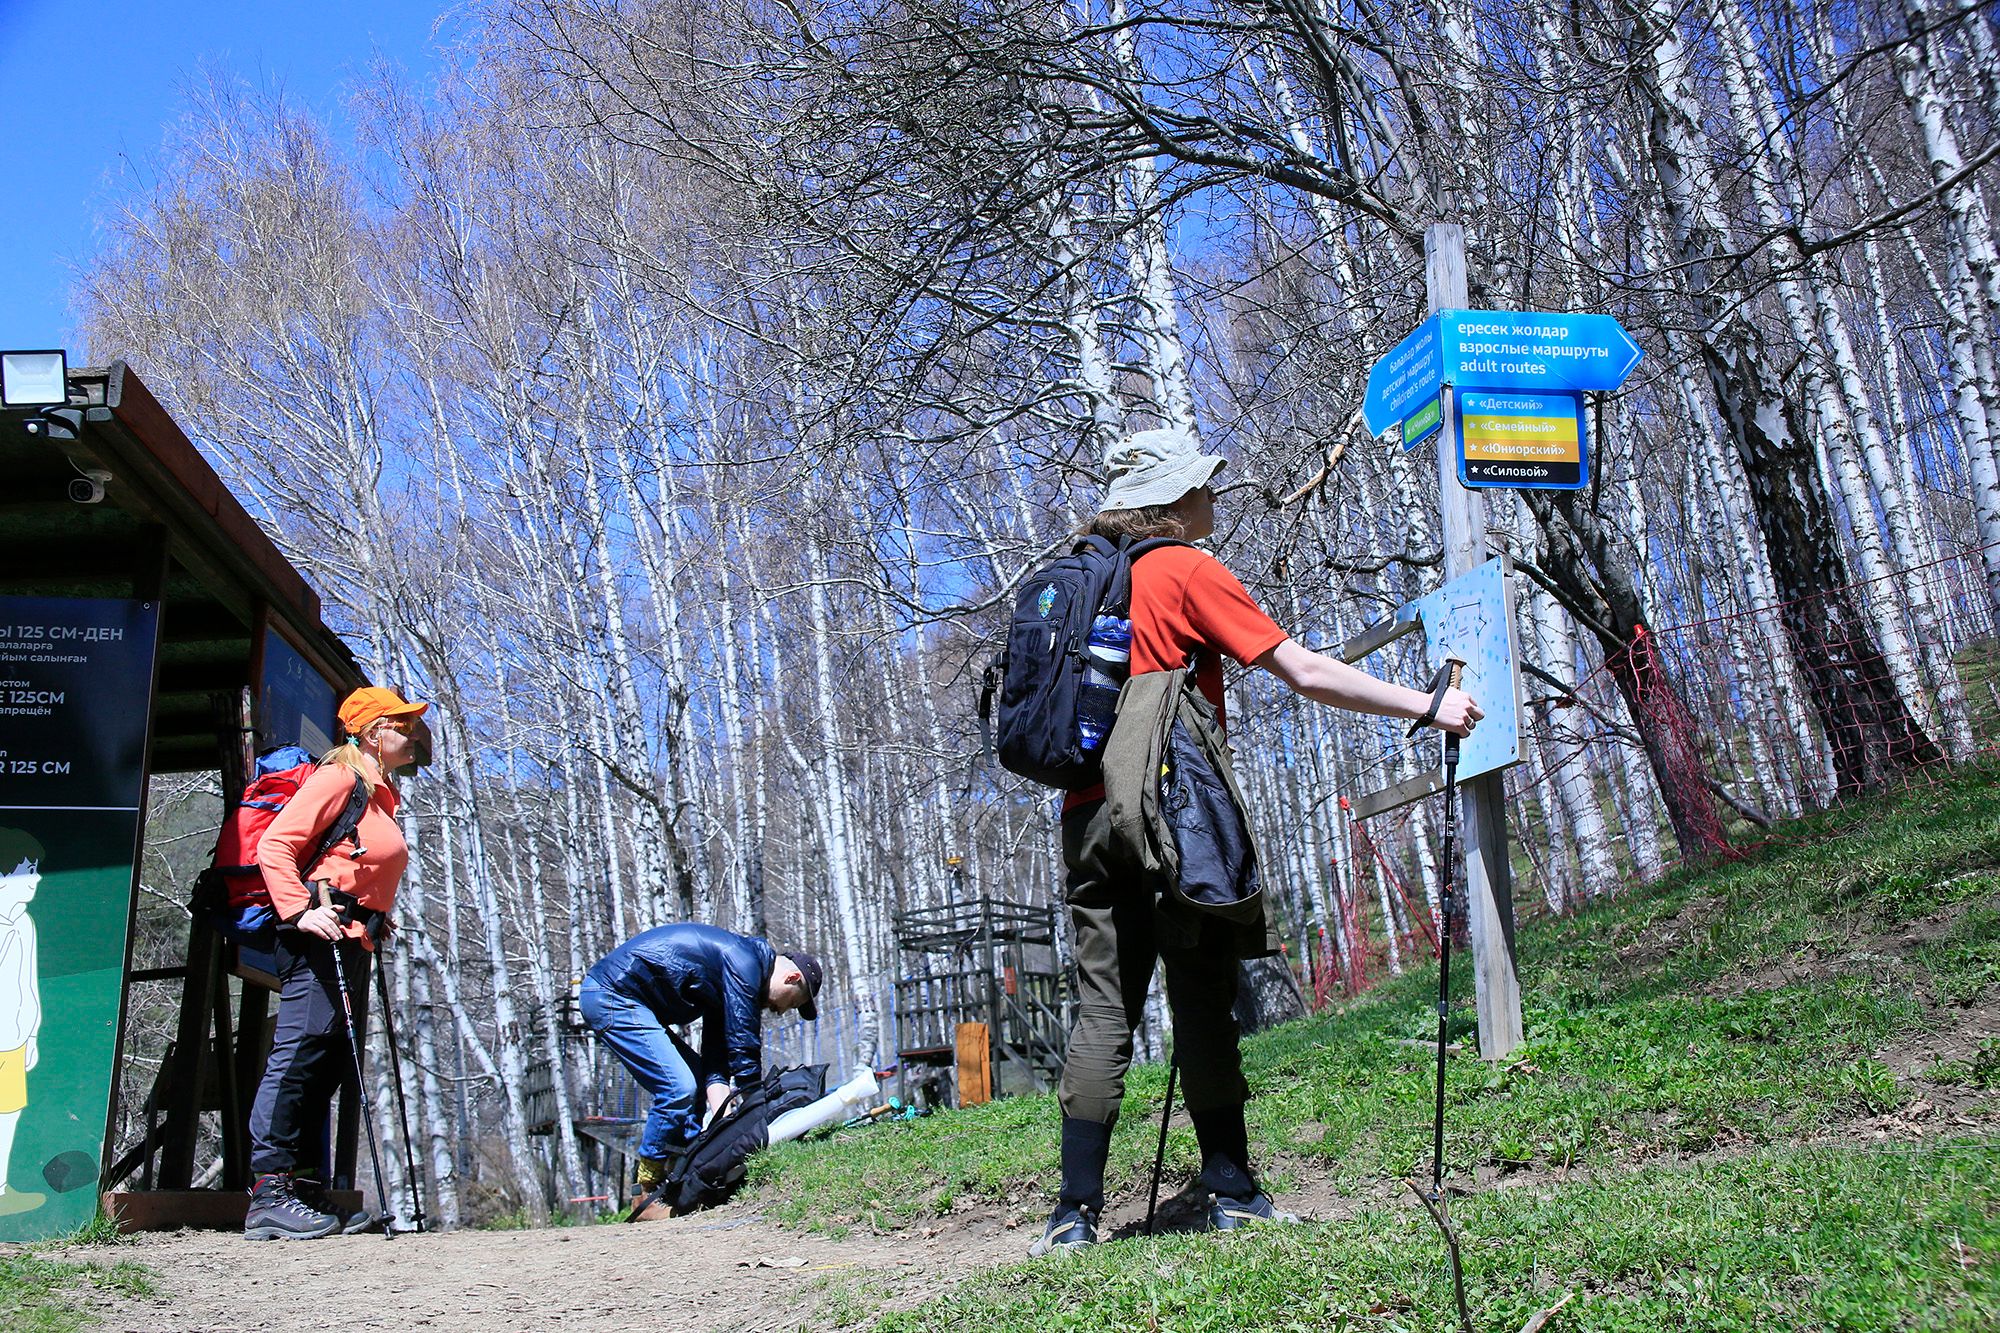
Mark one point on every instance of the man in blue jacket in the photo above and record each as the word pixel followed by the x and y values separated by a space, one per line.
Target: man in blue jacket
pixel 672 975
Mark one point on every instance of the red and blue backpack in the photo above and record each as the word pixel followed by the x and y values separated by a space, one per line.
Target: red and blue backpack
pixel 231 891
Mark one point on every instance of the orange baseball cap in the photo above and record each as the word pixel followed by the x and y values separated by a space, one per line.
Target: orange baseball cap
pixel 372 703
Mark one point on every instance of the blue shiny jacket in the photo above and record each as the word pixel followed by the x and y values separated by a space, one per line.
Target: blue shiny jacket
pixel 690 971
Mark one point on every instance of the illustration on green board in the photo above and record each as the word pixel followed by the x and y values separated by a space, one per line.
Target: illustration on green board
pixel 20 1000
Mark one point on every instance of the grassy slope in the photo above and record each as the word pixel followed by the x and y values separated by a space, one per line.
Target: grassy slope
pixel 1736 1013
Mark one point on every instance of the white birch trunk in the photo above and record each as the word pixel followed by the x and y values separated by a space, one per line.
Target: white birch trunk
pixel 1976 275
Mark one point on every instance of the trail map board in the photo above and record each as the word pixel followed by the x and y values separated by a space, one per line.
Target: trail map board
pixel 1471 619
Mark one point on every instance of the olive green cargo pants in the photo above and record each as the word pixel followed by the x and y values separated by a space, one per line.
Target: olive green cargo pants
pixel 1120 927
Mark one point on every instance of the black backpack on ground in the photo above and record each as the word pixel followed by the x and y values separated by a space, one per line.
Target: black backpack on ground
pixel 712 1168
pixel 1040 674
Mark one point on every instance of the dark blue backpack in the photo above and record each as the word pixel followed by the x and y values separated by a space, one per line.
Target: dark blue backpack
pixel 1040 674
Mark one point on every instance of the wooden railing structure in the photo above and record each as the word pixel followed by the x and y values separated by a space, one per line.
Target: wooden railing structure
pixel 990 961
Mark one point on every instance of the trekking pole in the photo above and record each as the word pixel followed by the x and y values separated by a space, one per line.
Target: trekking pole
pixel 1447 679
pixel 1160 1155
pixel 361 1085
pixel 402 1107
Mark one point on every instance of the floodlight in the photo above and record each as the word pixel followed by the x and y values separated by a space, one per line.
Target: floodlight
pixel 34 379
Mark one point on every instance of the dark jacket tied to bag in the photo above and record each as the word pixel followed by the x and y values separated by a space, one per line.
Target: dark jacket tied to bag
pixel 1174 801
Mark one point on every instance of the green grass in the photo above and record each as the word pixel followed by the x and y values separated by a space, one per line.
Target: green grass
pixel 1641 1038
pixel 39 1295
pixel 1734 1011
pixel 42 1295
pixel 1784 1238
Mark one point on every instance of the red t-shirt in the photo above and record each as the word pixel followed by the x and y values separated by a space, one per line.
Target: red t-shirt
pixel 1187 606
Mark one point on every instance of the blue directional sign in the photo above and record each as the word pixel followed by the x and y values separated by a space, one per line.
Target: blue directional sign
pixel 1519 349
pixel 1412 372
pixel 1497 349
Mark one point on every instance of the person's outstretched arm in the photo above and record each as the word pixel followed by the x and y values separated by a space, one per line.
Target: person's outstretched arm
pixel 1333 682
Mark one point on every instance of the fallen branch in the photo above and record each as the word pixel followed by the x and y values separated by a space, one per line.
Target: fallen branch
pixel 1541 1317
pixel 1436 1211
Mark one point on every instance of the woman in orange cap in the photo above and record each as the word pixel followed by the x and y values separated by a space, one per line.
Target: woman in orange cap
pixel 352 891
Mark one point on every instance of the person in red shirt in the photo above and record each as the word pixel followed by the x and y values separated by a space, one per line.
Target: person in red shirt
pixel 333 922
pixel 1186 608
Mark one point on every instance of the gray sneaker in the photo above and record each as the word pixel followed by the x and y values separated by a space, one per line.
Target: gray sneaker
pixel 1225 1214
pixel 1070 1228
pixel 277 1213
pixel 317 1197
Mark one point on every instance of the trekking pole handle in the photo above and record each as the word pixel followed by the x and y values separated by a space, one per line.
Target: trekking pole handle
pixel 1454 671
pixel 1447 678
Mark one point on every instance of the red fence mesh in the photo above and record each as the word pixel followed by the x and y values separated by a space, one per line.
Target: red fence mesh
pixel 1699 735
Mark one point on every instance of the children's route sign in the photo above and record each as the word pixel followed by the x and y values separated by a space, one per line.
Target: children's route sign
pixel 1497 349
pixel 1423 423
pixel 76 688
pixel 1532 441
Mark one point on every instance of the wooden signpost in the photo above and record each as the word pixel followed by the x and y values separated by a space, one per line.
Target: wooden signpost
pixel 1509 386
pixel 1489 889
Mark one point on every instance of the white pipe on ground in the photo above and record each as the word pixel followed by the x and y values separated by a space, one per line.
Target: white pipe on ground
pixel 843 1103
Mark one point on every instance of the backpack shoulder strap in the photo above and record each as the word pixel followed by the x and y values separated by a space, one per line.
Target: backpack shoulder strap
pixel 1118 600
pixel 343 826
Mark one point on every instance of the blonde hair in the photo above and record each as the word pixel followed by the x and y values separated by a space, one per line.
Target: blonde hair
pixel 348 754
pixel 1138 524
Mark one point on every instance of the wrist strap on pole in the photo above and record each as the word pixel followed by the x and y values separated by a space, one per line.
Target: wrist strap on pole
pixel 1446 679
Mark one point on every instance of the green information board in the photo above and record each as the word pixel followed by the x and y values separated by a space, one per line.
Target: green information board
pixel 76 687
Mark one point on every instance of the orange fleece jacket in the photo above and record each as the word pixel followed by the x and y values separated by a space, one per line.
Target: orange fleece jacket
pixel 369 871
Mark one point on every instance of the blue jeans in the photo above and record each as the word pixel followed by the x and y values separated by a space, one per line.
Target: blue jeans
pixel 661 1062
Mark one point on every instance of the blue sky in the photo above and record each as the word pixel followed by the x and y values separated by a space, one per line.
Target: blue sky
pixel 86 86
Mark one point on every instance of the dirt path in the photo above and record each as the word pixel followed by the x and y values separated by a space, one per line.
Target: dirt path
pixel 723 1270
pixel 728 1270
pixel 731 1269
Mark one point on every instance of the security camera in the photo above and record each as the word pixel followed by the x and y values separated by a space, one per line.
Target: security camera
pixel 88 489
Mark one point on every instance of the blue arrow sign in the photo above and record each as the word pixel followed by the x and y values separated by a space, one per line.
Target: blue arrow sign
pixel 1497 349
pixel 1520 349
pixel 1412 371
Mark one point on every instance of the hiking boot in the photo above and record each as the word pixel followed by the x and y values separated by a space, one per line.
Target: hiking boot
pixel 1227 1214
pixel 316 1196
pixel 277 1213
pixel 1070 1228
pixel 650 1208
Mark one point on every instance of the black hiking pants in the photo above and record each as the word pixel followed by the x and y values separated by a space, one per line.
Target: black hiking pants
pixel 310 1058
pixel 1119 933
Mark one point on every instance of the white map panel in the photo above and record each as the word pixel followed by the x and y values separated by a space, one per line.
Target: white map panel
pixel 1472 618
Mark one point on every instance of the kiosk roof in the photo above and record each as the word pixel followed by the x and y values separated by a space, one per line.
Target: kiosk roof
pixel 167 528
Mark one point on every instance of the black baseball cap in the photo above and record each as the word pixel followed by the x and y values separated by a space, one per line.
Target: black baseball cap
pixel 809 968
